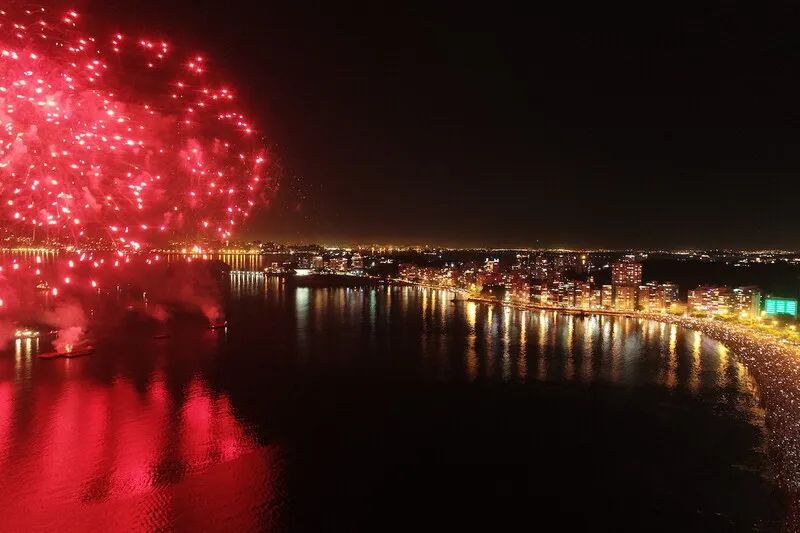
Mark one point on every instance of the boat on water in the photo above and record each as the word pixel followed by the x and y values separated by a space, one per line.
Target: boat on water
pixel 218 325
pixel 68 354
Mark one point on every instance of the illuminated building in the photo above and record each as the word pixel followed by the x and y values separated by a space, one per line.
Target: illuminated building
pixel 626 274
pixel 576 298
pixel 517 287
pixel 317 262
pixel 408 271
pixel 746 301
pixel 540 294
pixel 582 295
pixel 780 306
pixel 655 297
pixel 648 298
pixel 565 295
pixel 625 298
pixel 338 263
pixel 607 296
pixel 670 294
pixel 711 300
pixel 357 262
pixel 596 299
pixel 724 300
pixel 521 291
pixel 542 269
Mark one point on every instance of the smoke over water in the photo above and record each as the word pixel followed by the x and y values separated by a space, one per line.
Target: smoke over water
pixel 68 338
pixel 71 322
pixel 213 313
pixel 159 312
pixel 7 330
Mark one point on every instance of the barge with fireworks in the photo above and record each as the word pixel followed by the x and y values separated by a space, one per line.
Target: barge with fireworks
pixel 69 352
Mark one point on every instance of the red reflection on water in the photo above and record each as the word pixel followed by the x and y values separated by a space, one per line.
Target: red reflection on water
pixel 196 415
pixel 6 410
pixel 113 457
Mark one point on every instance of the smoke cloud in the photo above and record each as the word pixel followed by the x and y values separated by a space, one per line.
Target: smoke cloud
pixel 71 322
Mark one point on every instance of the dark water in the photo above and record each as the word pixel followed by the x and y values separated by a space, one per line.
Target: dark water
pixel 388 409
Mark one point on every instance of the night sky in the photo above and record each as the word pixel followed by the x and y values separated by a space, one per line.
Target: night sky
pixel 479 124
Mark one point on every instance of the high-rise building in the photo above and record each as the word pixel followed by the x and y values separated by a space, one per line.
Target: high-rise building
pixel 596 299
pixel 317 262
pixel 657 297
pixel 607 296
pixel 648 297
pixel 625 298
pixel 357 262
pixel 565 294
pixel 583 294
pixel 539 294
pixel 746 301
pixel 670 294
pixel 626 274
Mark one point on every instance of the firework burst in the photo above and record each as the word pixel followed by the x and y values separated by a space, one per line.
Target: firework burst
pixel 117 137
pixel 114 138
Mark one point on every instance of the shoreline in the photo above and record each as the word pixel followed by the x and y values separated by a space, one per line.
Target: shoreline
pixel 774 365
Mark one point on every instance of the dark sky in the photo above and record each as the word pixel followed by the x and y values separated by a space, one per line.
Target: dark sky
pixel 500 125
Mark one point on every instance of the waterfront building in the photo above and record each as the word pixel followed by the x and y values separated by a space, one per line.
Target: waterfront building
pixel 746 301
pixel 338 263
pixel 518 288
pixel 670 294
pixel 710 299
pixel 714 300
pixel 596 301
pixel 657 297
pixel 582 294
pixel 567 294
pixel 625 298
pixel 607 296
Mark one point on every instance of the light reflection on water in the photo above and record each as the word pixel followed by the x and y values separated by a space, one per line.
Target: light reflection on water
pixel 156 424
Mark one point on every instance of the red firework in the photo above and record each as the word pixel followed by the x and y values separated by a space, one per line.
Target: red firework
pixel 117 138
